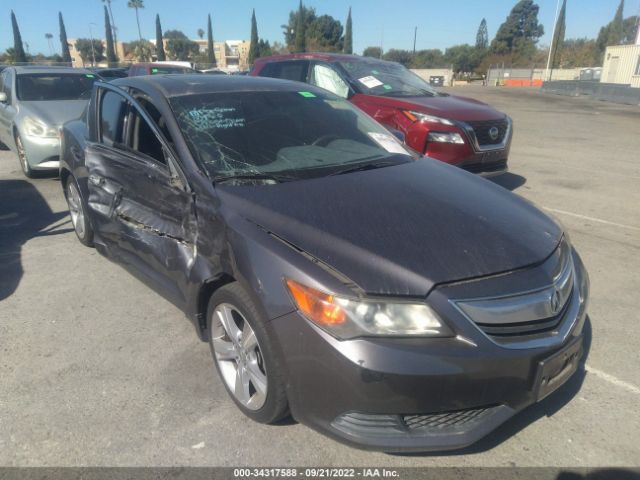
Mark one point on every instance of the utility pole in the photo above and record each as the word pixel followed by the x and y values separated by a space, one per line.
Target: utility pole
pixel 415 34
pixel 555 25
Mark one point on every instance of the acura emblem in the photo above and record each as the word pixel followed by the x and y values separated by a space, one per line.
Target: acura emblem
pixel 494 132
pixel 554 302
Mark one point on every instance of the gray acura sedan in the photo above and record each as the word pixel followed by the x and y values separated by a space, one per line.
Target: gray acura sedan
pixel 34 102
pixel 392 302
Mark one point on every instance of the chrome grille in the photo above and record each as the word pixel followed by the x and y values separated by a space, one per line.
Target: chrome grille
pixel 527 314
pixel 482 130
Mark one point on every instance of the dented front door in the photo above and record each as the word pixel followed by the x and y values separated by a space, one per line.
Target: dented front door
pixel 157 222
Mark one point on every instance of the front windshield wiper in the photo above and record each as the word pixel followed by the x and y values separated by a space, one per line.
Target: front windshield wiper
pixel 366 166
pixel 253 176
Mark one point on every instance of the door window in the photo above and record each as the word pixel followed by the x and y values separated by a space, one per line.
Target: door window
pixel 324 76
pixel 294 70
pixel 112 119
pixel 6 81
pixel 143 139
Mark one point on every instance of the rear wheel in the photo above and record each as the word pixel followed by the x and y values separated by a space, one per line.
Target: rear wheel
pixel 22 156
pixel 81 225
pixel 243 355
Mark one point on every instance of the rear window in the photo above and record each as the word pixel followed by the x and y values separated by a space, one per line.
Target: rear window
pixel 47 86
pixel 293 70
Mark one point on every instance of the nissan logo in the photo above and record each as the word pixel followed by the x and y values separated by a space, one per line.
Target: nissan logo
pixel 494 132
pixel 554 302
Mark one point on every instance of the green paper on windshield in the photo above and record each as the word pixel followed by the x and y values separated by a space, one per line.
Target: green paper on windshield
pixel 154 70
pixel 88 75
pixel 387 87
pixel 307 94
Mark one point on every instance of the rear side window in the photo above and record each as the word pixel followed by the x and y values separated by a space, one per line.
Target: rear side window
pixel 294 70
pixel 112 115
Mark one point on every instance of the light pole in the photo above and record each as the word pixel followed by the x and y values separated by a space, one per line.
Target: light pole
pixel 555 25
pixel 93 51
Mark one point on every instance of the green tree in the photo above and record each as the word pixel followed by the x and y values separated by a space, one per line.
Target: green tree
pixel 18 50
pixel 161 56
pixel 179 46
pixel 111 52
pixel 264 48
pixel 614 32
pixel 200 33
pixel 291 28
pixel 64 43
pixel 579 52
pixel 113 24
pixel 211 55
pixel 90 50
pixel 324 34
pixel 520 32
pixel 482 37
pixel 137 5
pixel 631 25
pixel 300 42
pixel 374 52
pixel 463 58
pixel 348 35
pixel 558 36
pixel 432 58
pixel 254 51
pixel 396 55
pixel 140 49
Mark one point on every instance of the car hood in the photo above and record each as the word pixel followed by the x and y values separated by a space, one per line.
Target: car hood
pixel 446 106
pixel 401 230
pixel 54 113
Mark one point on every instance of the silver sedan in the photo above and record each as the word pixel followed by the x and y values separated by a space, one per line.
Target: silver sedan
pixel 34 102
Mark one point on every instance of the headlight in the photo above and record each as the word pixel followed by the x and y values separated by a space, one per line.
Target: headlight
pixel 446 137
pixel 423 117
pixel 349 318
pixel 37 128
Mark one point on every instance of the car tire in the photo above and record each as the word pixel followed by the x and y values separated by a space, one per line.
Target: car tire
pixel 78 212
pixel 22 157
pixel 248 366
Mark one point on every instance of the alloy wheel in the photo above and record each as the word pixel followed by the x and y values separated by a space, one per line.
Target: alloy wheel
pixel 75 208
pixel 237 352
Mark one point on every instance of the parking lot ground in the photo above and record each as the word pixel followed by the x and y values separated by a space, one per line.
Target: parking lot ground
pixel 96 369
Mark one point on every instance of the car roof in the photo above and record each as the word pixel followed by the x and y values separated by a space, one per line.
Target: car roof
pixel 188 84
pixel 48 69
pixel 327 57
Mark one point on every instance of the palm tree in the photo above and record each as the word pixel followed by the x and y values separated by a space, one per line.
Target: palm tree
pixel 113 24
pixel 136 5
pixel 200 33
pixel 49 36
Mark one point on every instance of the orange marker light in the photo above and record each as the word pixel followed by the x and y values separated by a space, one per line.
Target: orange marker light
pixel 316 305
pixel 410 115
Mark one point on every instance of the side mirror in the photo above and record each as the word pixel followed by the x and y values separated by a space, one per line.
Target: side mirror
pixel 3 97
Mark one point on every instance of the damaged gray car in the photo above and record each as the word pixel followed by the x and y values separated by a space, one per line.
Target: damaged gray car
pixel 391 302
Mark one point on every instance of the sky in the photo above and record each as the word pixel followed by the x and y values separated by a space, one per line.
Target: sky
pixel 440 23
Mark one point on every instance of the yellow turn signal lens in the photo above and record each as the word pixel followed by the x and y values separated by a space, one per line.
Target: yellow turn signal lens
pixel 316 305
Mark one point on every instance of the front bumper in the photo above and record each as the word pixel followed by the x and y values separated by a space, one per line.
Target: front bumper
pixel 404 394
pixel 42 153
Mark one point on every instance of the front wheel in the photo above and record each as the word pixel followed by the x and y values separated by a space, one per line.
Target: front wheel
pixel 244 357
pixel 22 156
pixel 77 211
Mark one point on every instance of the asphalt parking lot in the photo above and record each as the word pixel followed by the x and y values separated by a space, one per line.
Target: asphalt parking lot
pixel 96 369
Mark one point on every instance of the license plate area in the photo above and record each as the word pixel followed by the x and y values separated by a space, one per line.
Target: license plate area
pixel 555 370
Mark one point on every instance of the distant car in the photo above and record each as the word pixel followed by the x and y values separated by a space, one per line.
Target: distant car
pixel 140 69
pixel 34 103
pixel 436 80
pixel 213 71
pixel 110 74
pixel 456 130
pixel 385 299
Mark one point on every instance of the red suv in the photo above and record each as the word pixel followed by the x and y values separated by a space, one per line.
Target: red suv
pixel 456 130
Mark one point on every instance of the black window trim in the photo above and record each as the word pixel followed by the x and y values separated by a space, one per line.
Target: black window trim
pixel 172 168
